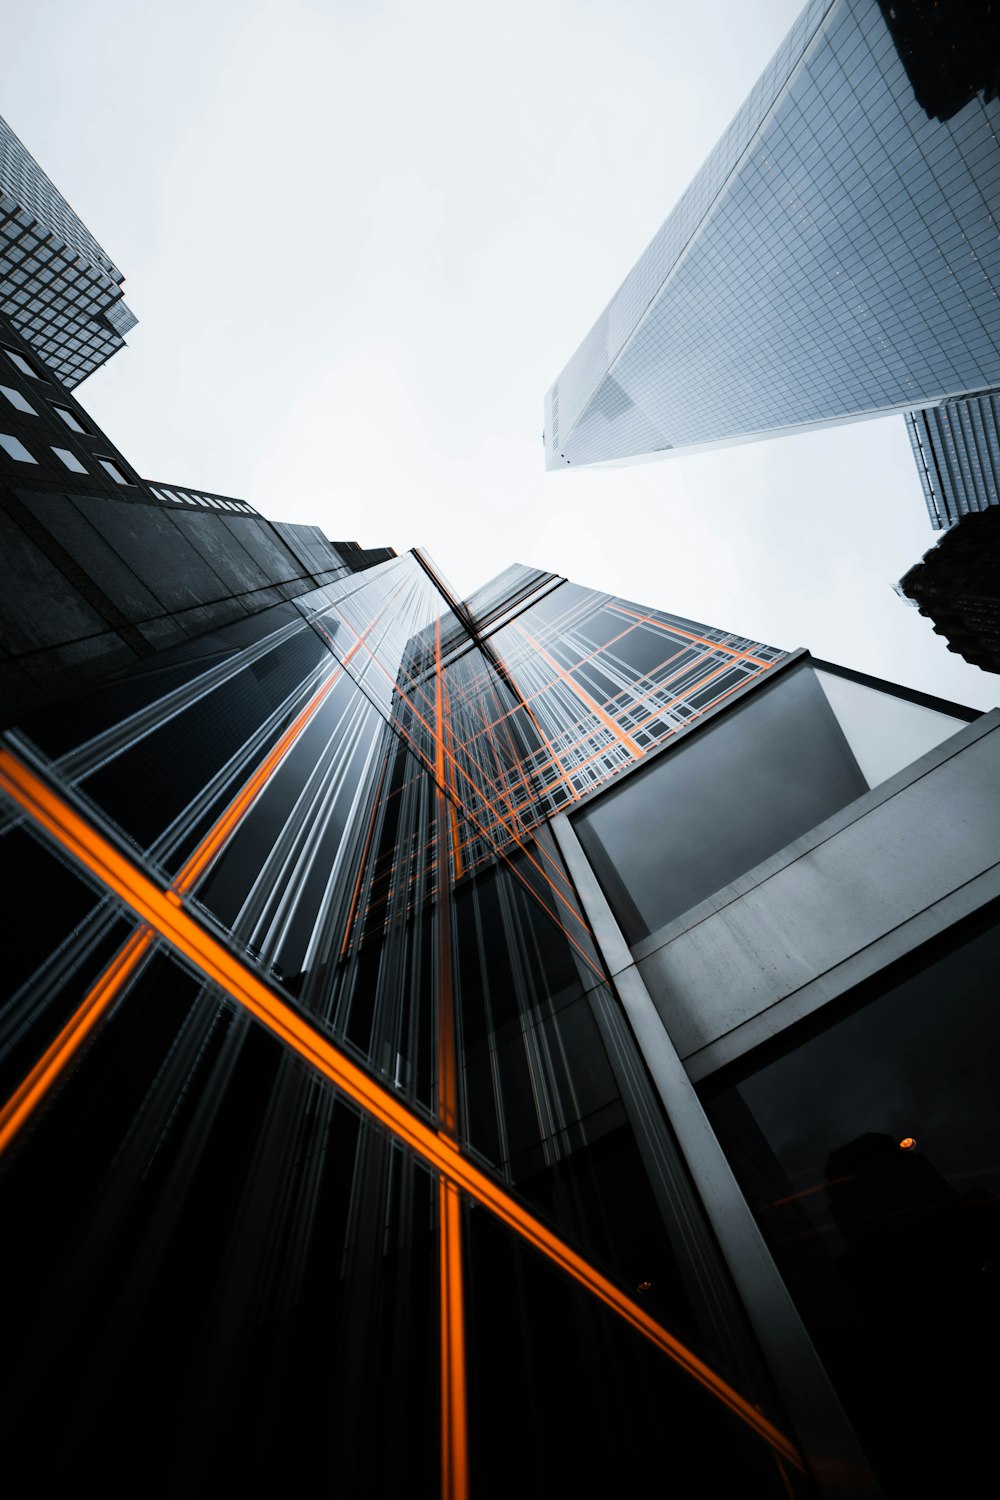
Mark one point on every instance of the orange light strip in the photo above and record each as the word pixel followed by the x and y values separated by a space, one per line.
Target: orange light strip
pixel 687 635
pixel 454 1421
pixel 240 805
pixel 163 910
pixel 589 703
pixel 26 1098
pixel 103 993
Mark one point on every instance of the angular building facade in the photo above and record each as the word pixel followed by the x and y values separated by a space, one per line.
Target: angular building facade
pixel 471 1047
pixel 957 451
pixel 58 287
pixel 456 1047
pixel 837 257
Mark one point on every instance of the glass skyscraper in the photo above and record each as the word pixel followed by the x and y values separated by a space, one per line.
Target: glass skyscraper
pixel 58 287
pixel 431 1049
pixel 463 1047
pixel 957 450
pixel 836 257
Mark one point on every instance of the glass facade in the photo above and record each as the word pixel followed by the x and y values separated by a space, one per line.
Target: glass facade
pixel 869 1149
pixel 835 258
pixel 57 285
pixel 745 786
pixel 330 1152
pixel 957 451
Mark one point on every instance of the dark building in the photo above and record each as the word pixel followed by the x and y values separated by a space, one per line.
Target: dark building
pixel 103 568
pixel 470 1047
pixel 446 1045
pixel 957 451
pixel 957 586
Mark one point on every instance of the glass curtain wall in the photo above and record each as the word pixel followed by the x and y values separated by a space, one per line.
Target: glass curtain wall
pixel 327 1153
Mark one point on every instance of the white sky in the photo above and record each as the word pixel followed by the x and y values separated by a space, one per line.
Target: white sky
pixel 362 239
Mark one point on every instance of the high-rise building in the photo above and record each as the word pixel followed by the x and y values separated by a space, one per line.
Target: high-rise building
pixel 58 287
pixel 452 1047
pixel 837 257
pixel 107 568
pixel 957 451
pixel 471 1047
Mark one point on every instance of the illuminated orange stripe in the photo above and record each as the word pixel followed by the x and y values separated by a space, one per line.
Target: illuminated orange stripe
pixel 102 994
pixel 25 1099
pixel 238 808
pixel 595 708
pixel 364 860
pixel 454 1423
pixel 513 832
pixel 687 635
pixel 162 910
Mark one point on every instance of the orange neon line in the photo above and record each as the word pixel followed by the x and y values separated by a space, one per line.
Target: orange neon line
pixel 57 1055
pixel 515 836
pixel 364 860
pixel 595 708
pixel 102 994
pixel 454 1421
pixel 164 911
pixel 240 805
pixel 687 635
pixel 513 832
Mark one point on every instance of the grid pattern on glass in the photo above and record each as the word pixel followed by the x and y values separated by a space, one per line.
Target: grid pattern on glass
pixel 957 451
pixel 304 851
pixel 57 285
pixel 848 265
pixel 459 1173
pixel 590 684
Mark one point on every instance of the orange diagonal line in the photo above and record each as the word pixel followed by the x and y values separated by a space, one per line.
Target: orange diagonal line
pixel 240 805
pixel 162 909
pixel 589 703
pixel 54 1059
pixel 102 994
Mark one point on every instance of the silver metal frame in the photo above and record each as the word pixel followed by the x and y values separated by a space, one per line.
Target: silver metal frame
pixel 828 1441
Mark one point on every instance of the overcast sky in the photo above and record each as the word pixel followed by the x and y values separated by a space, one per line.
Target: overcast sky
pixel 362 239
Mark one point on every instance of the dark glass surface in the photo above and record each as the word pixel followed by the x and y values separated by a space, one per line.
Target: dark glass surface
pixel 566 1399
pixel 225 1280
pixel 45 901
pixel 869 1151
pixel 764 773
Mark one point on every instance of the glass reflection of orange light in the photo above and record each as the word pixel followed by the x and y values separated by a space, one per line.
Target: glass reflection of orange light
pixel 907 1143
pixel 163 911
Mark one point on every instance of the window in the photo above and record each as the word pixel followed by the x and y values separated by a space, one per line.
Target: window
pixel 69 459
pixel 17 400
pixel 16 449
pixel 20 363
pixel 113 469
pixel 70 418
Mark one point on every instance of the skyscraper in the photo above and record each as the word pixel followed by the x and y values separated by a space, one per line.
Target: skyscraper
pixel 463 1047
pixel 425 1043
pixel 58 287
pixel 836 257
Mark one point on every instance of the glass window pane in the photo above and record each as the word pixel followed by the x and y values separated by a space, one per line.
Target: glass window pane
pixel 869 1150
pixel 69 459
pixel 719 802
pixel 16 449
pixel 17 400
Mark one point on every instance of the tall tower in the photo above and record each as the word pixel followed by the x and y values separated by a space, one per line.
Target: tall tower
pixel 442 1038
pixel 837 256
pixel 58 287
